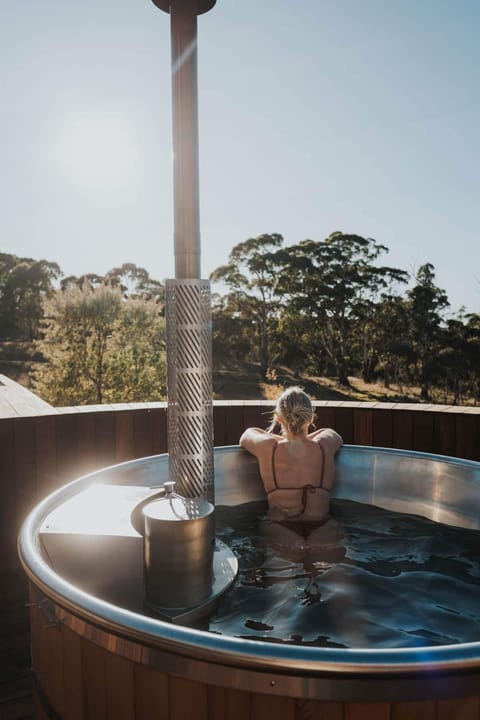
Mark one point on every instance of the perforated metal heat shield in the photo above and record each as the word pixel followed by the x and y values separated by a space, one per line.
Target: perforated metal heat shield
pixel 189 381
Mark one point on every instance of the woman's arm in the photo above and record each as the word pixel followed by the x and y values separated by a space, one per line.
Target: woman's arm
pixel 254 438
pixel 334 440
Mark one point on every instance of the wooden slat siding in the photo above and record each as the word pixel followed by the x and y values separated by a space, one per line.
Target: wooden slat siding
pixel 188 699
pixel 25 472
pixel 55 666
pixel 458 709
pixel 93 682
pixel 8 538
pixel 324 416
pixel 363 427
pixel 444 434
pixel 420 710
pixel 271 706
pixel 66 432
pixel 318 710
pixel 216 703
pixel 382 427
pixel 124 441
pixel 402 429
pixel 343 423
pixel 468 436
pixel 237 704
pixel 46 455
pixel 257 416
pixel 86 444
pixel 119 688
pixel 423 422
pixel 367 711
pixel 142 433
pixel 159 431
pixel 73 708
pixel 105 438
pixel 235 424
pixel 219 425
pixel 151 694
pixel 39 645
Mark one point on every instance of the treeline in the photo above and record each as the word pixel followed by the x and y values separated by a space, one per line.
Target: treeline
pixel 101 338
pixel 320 308
pixel 330 308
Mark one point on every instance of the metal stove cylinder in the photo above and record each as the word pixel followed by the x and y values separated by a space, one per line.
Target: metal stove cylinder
pixel 189 381
pixel 179 545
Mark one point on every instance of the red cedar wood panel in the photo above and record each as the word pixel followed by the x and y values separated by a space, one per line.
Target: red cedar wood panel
pixel 25 469
pixel 46 450
pixel 93 681
pixel 216 703
pixel 403 429
pixel 8 533
pixel 105 438
pixel 325 417
pixel 142 433
pixel 344 423
pixel 188 699
pixel 220 425
pixel 423 431
pixel 237 704
pixel 367 711
pixel 318 710
pixel 124 442
pixel 159 431
pixel 119 688
pixel 151 694
pixel 444 434
pixel 257 416
pixel 38 641
pixel 468 436
pixel 55 665
pixel 458 709
pixel 421 710
pixel 382 428
pixel 271 706
pixel 72 675
pixel 86 444
pixel 235 424
pixel 66 431
pixel 363 427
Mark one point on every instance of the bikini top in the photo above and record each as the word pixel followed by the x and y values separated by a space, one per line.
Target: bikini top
pixel 303 493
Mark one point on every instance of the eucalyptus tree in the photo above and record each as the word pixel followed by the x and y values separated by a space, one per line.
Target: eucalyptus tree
pixel 332 283
pixel 24 285
pixel 426 303
pixel 251 276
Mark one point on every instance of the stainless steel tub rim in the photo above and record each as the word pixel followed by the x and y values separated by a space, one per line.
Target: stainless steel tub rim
pixel 232 651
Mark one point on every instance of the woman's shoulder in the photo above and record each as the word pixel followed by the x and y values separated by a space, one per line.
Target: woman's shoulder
pixel 328 438
pixel 258 442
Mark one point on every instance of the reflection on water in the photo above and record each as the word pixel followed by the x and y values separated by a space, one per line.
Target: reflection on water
pixel 369 578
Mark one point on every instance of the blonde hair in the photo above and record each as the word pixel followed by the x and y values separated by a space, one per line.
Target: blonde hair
pixel 293 410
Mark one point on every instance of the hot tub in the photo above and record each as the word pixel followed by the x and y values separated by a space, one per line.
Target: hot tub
pixel 96 654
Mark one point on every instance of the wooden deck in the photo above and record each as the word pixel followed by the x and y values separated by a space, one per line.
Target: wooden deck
pixel 17 401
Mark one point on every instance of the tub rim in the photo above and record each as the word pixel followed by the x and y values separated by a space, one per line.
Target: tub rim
pixel 227 650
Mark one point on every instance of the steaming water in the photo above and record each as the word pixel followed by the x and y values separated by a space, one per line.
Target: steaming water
pixel 389 580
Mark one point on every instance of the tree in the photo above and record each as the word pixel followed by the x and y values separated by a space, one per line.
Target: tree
pixel 24 285
pixel 251 276
pixel 426 302
pixel 331 283
pixel 101 347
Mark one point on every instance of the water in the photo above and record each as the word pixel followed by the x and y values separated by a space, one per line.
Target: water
pixel 386 580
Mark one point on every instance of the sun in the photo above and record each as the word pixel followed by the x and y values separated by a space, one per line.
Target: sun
pixel 99 152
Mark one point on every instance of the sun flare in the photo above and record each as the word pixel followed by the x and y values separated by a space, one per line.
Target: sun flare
pixel 99 153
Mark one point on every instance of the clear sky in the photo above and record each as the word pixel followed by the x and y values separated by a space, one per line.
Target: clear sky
pixel 315 115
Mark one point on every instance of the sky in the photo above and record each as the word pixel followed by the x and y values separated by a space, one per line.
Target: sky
pixel 315 116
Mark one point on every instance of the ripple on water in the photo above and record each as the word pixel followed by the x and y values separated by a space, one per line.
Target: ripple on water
pixel 390 580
